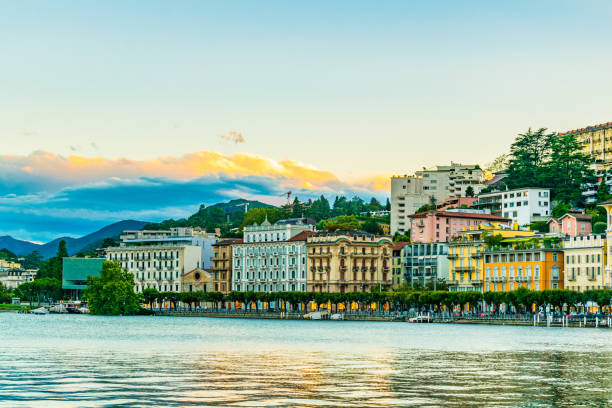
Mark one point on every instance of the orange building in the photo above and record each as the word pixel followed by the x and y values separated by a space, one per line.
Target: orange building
pixel 535 264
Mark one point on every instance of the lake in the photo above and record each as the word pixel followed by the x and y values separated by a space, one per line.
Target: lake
pixel 144 361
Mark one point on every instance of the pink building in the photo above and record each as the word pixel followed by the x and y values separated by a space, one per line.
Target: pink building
pixel 572 224
pixel 440 226
pixel 456 202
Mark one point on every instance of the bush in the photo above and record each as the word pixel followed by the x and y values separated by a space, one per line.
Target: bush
pixel 599 227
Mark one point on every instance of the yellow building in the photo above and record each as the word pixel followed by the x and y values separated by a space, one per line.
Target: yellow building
pixel 398 267
pixel 608 246
pixel 585 261
pixel 534 263
pixel 348 262
pixel 465 254
pixel 4 264
pixel 596 141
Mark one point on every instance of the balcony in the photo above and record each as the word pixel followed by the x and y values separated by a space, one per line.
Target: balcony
pixel 452 256
pixel 464 269
pixel 477 255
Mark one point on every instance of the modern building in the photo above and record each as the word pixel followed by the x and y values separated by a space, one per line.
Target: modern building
pixel 271 258
pixel 349 261
pixel 535 263
pixel 596 141
pixel 160 259
pixel 75 272
pixel 182 235
pixel 425 262
pixel 409 193
pixel 12 278
pixel 523 206
pixel 465 254
pixel 572 224
pixel 398 277
pixel 585 262
pixel 222 264
pixel 441 226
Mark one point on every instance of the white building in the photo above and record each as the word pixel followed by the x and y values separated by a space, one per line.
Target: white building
pixel 193 236
pixel 160 259
pixel 272 258
pixel 408 193
pixel 12 278
pixel 522 206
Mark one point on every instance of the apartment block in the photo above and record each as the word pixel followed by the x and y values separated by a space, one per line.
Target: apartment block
pixel 585 262
pixel 522 206
pixel 596 142
pixel 441 226
pixel 425 262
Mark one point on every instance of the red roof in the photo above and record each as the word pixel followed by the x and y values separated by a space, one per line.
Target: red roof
pixel 399 245
pixel 457 214
pixel 301 236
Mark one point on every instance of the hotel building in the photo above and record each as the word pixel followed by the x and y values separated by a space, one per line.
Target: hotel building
pixel 271 258
pixel 441 226
pixel 160 259
pixel 596 142
pixel 348 261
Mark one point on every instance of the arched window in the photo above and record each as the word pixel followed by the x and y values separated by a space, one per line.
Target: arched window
pixel 488 272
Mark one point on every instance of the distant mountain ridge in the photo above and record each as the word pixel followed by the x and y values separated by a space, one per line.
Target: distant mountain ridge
pixel 73 245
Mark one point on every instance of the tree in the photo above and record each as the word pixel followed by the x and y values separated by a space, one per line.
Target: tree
pixel 397 237
pixel 567 169
pixel 500 163
pixel 539 226
pixel 388 205
pixel 112 293
pixel 149 296
pixel 343 222
pixel 469 191
pixel 528 155
pixel 32 261
pixel 603 191
pixel 561 209
pixel 52 268
pixel 599 227
pixel 493 240
pixel 372 227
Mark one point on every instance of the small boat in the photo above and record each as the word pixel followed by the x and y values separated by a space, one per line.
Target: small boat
pixel 419 319
pixel 73 310
pixel 40 311
pixel 336 316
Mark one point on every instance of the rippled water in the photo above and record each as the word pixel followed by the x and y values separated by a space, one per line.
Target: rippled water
pixel 88 361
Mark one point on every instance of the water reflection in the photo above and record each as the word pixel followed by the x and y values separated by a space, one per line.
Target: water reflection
pixel 120 364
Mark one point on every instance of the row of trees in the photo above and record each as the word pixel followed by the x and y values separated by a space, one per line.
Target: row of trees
pixel 521 299
pixel 40 290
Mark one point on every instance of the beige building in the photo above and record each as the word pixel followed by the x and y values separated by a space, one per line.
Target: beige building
pixel 157 265
pixel 4 264
pixel 585 261
pixel 596 141
pixel 222 264
pixel 12 278
pixel 197 280
pixel 348 262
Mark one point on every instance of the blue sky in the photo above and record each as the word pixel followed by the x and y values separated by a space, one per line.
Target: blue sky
pixel 359 90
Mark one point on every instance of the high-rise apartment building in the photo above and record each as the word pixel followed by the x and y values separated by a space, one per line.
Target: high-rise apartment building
pixel 408 193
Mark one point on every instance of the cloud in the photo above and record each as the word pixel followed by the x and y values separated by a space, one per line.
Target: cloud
pixel 233 136
pixel 50 195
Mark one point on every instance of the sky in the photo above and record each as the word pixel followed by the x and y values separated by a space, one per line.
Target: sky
pixel 144 110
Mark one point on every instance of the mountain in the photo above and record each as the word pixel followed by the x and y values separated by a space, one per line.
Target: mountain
pixel 73 245
pixel 238 205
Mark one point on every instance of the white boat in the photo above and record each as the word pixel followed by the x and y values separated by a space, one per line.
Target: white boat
pixel 336 316
pixel 419 319
pixel 40 311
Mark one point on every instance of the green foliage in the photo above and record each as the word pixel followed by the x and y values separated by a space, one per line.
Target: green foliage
pixel 5 295
pixel 52 267
pixel 32 261
pixel 540 226
pixel 8 255
pixel 603 191
pixel 112 293
pixel 397 237
pixel 343 222
pixel 561 209
pixel 493 240
pixel 541 159
pixel 318 209
pixel 258 215
pixel 469 191
pixel 599 227
pixel 43 289
pixel 372 227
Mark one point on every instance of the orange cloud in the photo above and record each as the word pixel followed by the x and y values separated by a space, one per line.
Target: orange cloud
pixel 81 169
pixel 233 136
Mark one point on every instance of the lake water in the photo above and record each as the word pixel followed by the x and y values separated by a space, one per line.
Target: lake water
pixel 89 361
